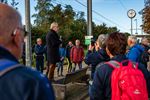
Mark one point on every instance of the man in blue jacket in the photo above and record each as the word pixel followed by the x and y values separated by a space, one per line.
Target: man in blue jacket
pixel 135 50
pixel 39 50
pixel 18 82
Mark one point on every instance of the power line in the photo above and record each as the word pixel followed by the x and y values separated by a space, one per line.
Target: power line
pixel 122 4
pixel 101 15
pixel 76 10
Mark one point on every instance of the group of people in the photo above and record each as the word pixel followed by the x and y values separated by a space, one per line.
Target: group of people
pixel 111 52
pixel 74 55
pixel 56 52
pixel 117 72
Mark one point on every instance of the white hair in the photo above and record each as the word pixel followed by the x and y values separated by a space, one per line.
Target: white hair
pixel 102 39
pixel 133 38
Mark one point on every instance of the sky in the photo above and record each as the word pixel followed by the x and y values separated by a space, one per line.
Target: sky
pixel 113 10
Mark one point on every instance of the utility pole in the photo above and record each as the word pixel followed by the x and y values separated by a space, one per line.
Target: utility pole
pixel 28 29
pixel 89 17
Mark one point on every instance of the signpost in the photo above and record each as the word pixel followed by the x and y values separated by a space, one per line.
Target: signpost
pixel 88 40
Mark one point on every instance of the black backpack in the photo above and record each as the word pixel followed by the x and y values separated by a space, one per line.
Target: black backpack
pixel 144 58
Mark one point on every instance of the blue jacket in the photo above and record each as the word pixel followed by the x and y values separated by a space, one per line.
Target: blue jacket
pixel 39 49
pixel 101 87
pixel 62 52
pixel 23 83
pixel 135 53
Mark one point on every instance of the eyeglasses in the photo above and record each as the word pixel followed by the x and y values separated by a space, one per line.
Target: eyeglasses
pixel 24 32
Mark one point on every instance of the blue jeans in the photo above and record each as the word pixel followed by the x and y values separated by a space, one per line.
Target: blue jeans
pixel 60 67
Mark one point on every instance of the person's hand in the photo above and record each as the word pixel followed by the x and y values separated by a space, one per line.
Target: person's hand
pixel 91 47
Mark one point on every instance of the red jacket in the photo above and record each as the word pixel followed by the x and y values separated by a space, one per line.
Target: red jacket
pixel 77 54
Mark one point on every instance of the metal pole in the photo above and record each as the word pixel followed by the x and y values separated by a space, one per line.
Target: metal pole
pixel 136 26
pixel 131 27
pixel 89 17
pixel 28 29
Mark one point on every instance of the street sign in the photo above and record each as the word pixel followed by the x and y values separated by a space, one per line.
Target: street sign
pixel 88 40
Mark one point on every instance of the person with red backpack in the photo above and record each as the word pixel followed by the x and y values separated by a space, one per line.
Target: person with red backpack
pixel 119 78
pixel 77 55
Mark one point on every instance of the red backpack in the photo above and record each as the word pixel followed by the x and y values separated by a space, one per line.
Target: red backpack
pixel 127 82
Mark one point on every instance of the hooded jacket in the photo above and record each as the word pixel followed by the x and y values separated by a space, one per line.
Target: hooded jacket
pixel 135 53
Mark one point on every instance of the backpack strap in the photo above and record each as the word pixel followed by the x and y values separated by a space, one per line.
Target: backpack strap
pixel 113 64
pixel 7 65
pixel 116 64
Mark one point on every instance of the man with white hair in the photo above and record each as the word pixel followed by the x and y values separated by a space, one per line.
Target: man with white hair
pixel 135 50
pixel 52 42
pixel 39 50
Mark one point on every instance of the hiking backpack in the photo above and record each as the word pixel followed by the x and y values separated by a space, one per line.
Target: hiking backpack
pixel 127 81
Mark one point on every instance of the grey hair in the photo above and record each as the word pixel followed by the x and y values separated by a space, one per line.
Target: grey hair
pixel 133 38
pixel 102 39
pixel 143 39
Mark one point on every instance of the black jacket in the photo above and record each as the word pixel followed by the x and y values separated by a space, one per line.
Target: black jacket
pixel 23 83
pixel 68 50
pixel 52 42
pixel 101 87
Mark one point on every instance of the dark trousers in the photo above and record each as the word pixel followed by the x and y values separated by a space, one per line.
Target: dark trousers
pixel 40 63
pixel 79 65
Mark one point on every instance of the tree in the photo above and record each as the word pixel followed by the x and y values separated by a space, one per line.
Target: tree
pixel 72 24
pixel 43 14
pixel 103 29
pixel 146 20
pixel 3 1
pixel 13 3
